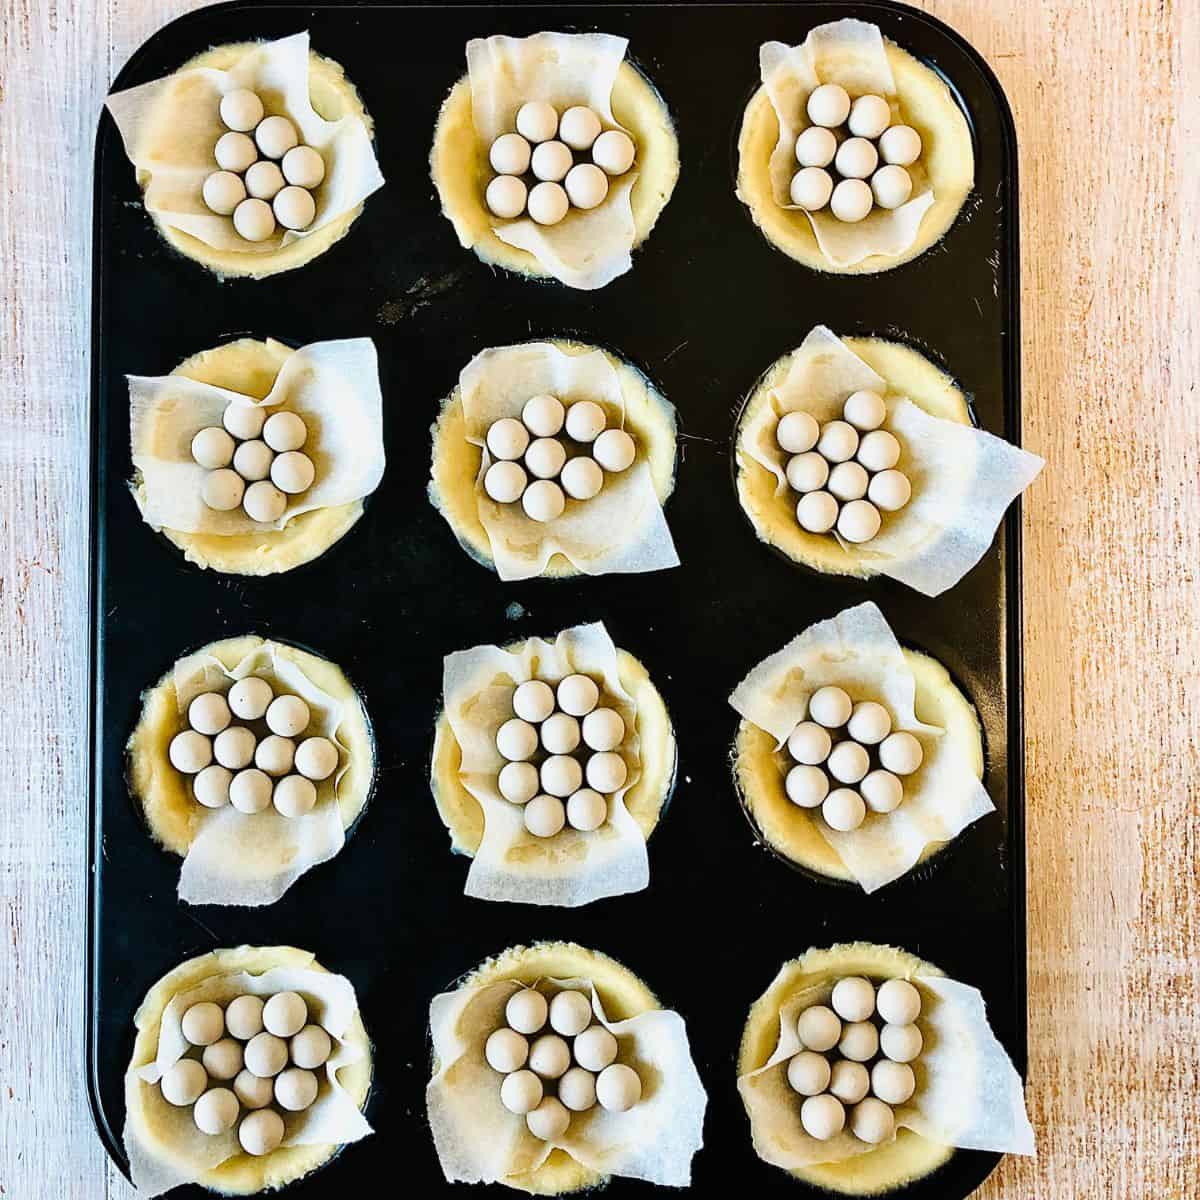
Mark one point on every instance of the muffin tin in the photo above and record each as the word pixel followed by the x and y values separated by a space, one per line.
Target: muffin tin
pixel 708 306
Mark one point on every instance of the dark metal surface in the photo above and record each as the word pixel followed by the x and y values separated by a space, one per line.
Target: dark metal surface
pixel 708 306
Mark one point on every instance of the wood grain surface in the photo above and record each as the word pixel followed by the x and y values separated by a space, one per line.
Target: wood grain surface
pixel 1105 96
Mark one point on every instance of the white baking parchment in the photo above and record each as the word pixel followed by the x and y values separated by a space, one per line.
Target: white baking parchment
pixel 968 1094
pixel 963 479
pixel 251 859
pixel 177 1152
pixel 588 248
pixel 332 386
pixel 573 867
pixel 478 1140
pixel 849 52
pixel 622 529
pixel 856 650
pixel 170 126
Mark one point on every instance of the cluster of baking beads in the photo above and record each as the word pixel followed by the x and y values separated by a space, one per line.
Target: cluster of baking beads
pixel 869 137
pixel 283 773
pixel 576 739
pixel 267 1054
pixel 541 147
pixel 266 174
pixel 576 1058
pixel 855 745
pixel 254 462
pixel 872 1056
pixel 538 441
pixel 844 470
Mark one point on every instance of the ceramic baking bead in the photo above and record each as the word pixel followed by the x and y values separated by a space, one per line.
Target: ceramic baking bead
pixel 526 1011
pixel 577 695
pixel 510 154
pixel 549 1056
pixel 506 197
pixel 872 1121
pixel 869 116
pixel 603 729
pixel 543 415
pixel 288 716
pixel 890 491
pixel 275 755
pixel 284 431
pixel 859 1041
pixel 865 410
pixel 537 121
pixel 261 1132
pixel 223 490
pixel 543 501
pixel 189 752
pixel 808 1073
pixel 250 697
pixel 560 776
pixel 521 1092
pixel 823 1117
pixel 264 180
pixel 203 1023
pixel 891 186
pixel 215 1111
pixel 869 723
pixel 316 758
pixel 303 166
pixel 252 1091
pixel 550 163
pixel 900 145
pixel 264 502
pixel 851 200
pixel 211 786
pixel 899 1002
pixel 848 481
pixel 533 701
pixel 586 420
pixel 843 810
pixel 549 1120
pixel 828 105
pixel 275 136
pixel 516 740
pixel 243 1016
pixel 223 191
pixel 830 706
pixel 241 109
pixel 505 481
pixel 183 1082
pixel 809 743
pixel 545 457
pixel 254 220
pixel 595 1048
pixel 849 1081
pixel 811 188
pixel 579 127
pixel 613 152
pixel 858 521
pixel 818 1028
pixel 838 441
pixel 560 733
pixel 250 791
pixel 223 1059
pixel 856 158
pixel 295 1089
pixel 285 1014
pixel 797 432
pixel 209 713
pixel 614 450
pixel 618 1088
pixel 244 421
pixel 294 796
pixel 586 185
pixel 266 1055
pixel 806 786
pixel 848 762
pixel 518 782
pixel 506 1051
pixel 878 450
pixel 252 460
pixel 893 1082
pixel 901 1043
pixel 570 1012
pixel 607 773
pixel 235 152
pixel 293 472
pixel 587 809
pixel 577 1089
pixel 817 512
pixel 815 147
pixel 882 791
pixel 900 753
pixel 294 208
pixel 545 815
pixel 807 472
pixel 582 478
pixel 507 438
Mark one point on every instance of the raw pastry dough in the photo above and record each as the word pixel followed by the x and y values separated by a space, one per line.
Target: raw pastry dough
pixel 927 105
pixel 456 461
pixel 243 1174
pixel 250 367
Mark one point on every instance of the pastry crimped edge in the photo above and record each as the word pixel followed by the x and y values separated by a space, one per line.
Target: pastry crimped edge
pixel 908 373
pixel 622 994
pixel 455 462
pixel 910 1156
pixel 458 163
pixel 948 155
pixel 794 832
pixel 332 96
pixel 244 1174
pixel 250 367
pixel 163 794
pixel 462 814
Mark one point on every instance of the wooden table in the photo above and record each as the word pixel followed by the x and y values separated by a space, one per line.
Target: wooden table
pixel 1105 98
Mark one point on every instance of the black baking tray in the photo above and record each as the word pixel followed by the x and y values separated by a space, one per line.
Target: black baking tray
pixel 707 307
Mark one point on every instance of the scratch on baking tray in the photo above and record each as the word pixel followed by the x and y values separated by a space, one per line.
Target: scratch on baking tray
pixel 994 262
pixel 421 293
pixel 197 921
pixel 667 357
